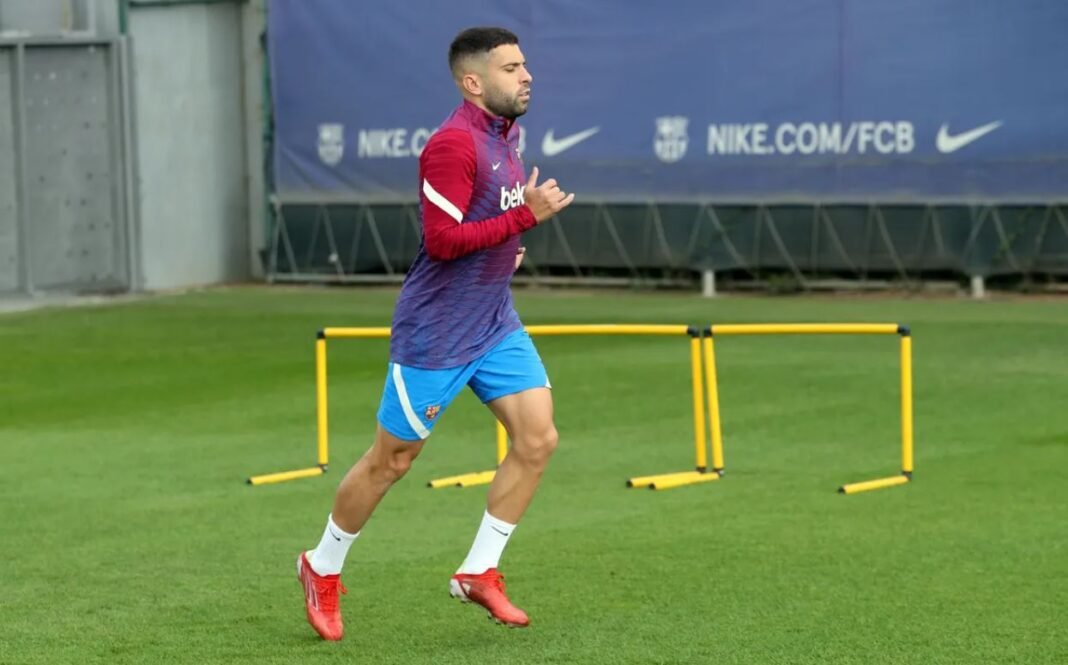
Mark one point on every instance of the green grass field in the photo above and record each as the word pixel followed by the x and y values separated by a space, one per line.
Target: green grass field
pixel 128 534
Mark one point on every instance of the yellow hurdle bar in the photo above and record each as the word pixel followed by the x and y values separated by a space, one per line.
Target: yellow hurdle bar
pixel 565 329
pixel 700 456
pixel 463 480
pixel 452 481
pixel 681 480
pixel 321 401
pixel 805 329
pixel 356 333
pixel 713 404
pixel 480 478
pixel 869 485
pixel 502 442
pixel 609 329
pixel 646 481
pixel 283 476
pixel 906 403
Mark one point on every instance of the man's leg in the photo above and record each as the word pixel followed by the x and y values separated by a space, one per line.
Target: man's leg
pixel 528 417
pixel 412 401
pixel 384 463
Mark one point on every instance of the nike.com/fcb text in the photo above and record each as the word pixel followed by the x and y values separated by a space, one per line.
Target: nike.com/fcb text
pixel 812 138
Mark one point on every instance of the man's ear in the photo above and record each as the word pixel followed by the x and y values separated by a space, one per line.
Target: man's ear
pixel 472 84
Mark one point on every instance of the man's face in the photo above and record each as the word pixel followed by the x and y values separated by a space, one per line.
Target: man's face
pixel 506 83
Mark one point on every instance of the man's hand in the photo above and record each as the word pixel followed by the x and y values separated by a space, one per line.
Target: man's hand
pixel 519 257
pixel 546 199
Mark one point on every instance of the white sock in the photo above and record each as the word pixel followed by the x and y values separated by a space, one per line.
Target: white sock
pixel 329 556
pixel 489 544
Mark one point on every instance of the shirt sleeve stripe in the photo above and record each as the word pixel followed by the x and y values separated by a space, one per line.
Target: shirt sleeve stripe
pixel 440 201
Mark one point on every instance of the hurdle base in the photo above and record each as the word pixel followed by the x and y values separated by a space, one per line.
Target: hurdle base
pixel 285 476
pixel 877 484
pixel 666 481
pixel 464 480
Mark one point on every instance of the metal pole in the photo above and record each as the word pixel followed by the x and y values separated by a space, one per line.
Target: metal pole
pixel 134 270
pixel 708 283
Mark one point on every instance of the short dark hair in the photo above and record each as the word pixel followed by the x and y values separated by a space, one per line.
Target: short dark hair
pixel 476 41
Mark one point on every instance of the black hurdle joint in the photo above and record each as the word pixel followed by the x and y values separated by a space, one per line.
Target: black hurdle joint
pixel 320 334
pixel 903 330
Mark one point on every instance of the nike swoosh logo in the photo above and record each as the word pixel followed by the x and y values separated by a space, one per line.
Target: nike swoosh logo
pixel 500 532
pixel 551 145
pixel 947 143
pixel 496 166
pixel 337 538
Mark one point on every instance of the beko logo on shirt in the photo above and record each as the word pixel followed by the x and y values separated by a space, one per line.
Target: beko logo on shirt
pixel 512 198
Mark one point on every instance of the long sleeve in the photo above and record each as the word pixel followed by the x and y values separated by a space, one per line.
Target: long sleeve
pixel 447 170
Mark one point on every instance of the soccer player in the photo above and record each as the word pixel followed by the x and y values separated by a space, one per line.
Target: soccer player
pixel 455 325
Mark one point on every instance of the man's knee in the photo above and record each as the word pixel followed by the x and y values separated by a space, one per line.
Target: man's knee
pixel 391 460
pixel 535 448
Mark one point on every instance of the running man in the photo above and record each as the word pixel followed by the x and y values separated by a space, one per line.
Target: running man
pixel 455 325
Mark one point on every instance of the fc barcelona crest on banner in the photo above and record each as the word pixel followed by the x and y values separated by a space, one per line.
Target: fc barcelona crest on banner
pixel 671 138
pixel 331 143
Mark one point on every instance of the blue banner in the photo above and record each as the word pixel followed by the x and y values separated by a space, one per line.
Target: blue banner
pixel 691 100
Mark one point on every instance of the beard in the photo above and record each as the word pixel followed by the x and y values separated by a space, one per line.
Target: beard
pixel 504 106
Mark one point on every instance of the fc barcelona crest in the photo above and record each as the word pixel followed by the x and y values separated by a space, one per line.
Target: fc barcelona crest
pixel 331 143
pixel 671 138
pixel 432 412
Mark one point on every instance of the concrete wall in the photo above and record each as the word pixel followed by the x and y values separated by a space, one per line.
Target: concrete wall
pixel 9 212
pixel 193 161
pixel 254 20
pixel 189 123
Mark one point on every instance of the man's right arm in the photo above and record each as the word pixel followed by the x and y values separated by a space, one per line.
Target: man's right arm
pixel 448 166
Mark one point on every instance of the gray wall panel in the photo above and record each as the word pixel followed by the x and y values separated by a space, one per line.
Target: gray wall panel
pixel 70 168
pixel 9 245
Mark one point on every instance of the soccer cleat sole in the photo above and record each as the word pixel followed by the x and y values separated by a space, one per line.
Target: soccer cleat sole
pixel 458 593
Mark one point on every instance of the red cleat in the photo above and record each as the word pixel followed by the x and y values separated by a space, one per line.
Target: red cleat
pixel 487 589
pixel 320 599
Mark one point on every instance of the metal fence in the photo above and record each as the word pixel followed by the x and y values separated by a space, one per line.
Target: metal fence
pixel 794 247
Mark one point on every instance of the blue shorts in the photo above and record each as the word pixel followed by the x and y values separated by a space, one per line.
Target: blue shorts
pixel 414 399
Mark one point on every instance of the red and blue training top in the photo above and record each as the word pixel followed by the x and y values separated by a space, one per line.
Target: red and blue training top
pixel 456 301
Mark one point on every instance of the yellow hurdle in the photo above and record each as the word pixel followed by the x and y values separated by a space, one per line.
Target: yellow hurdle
pixel 713 404
pixel 703 371
pixel 683 478
pixel 818 329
